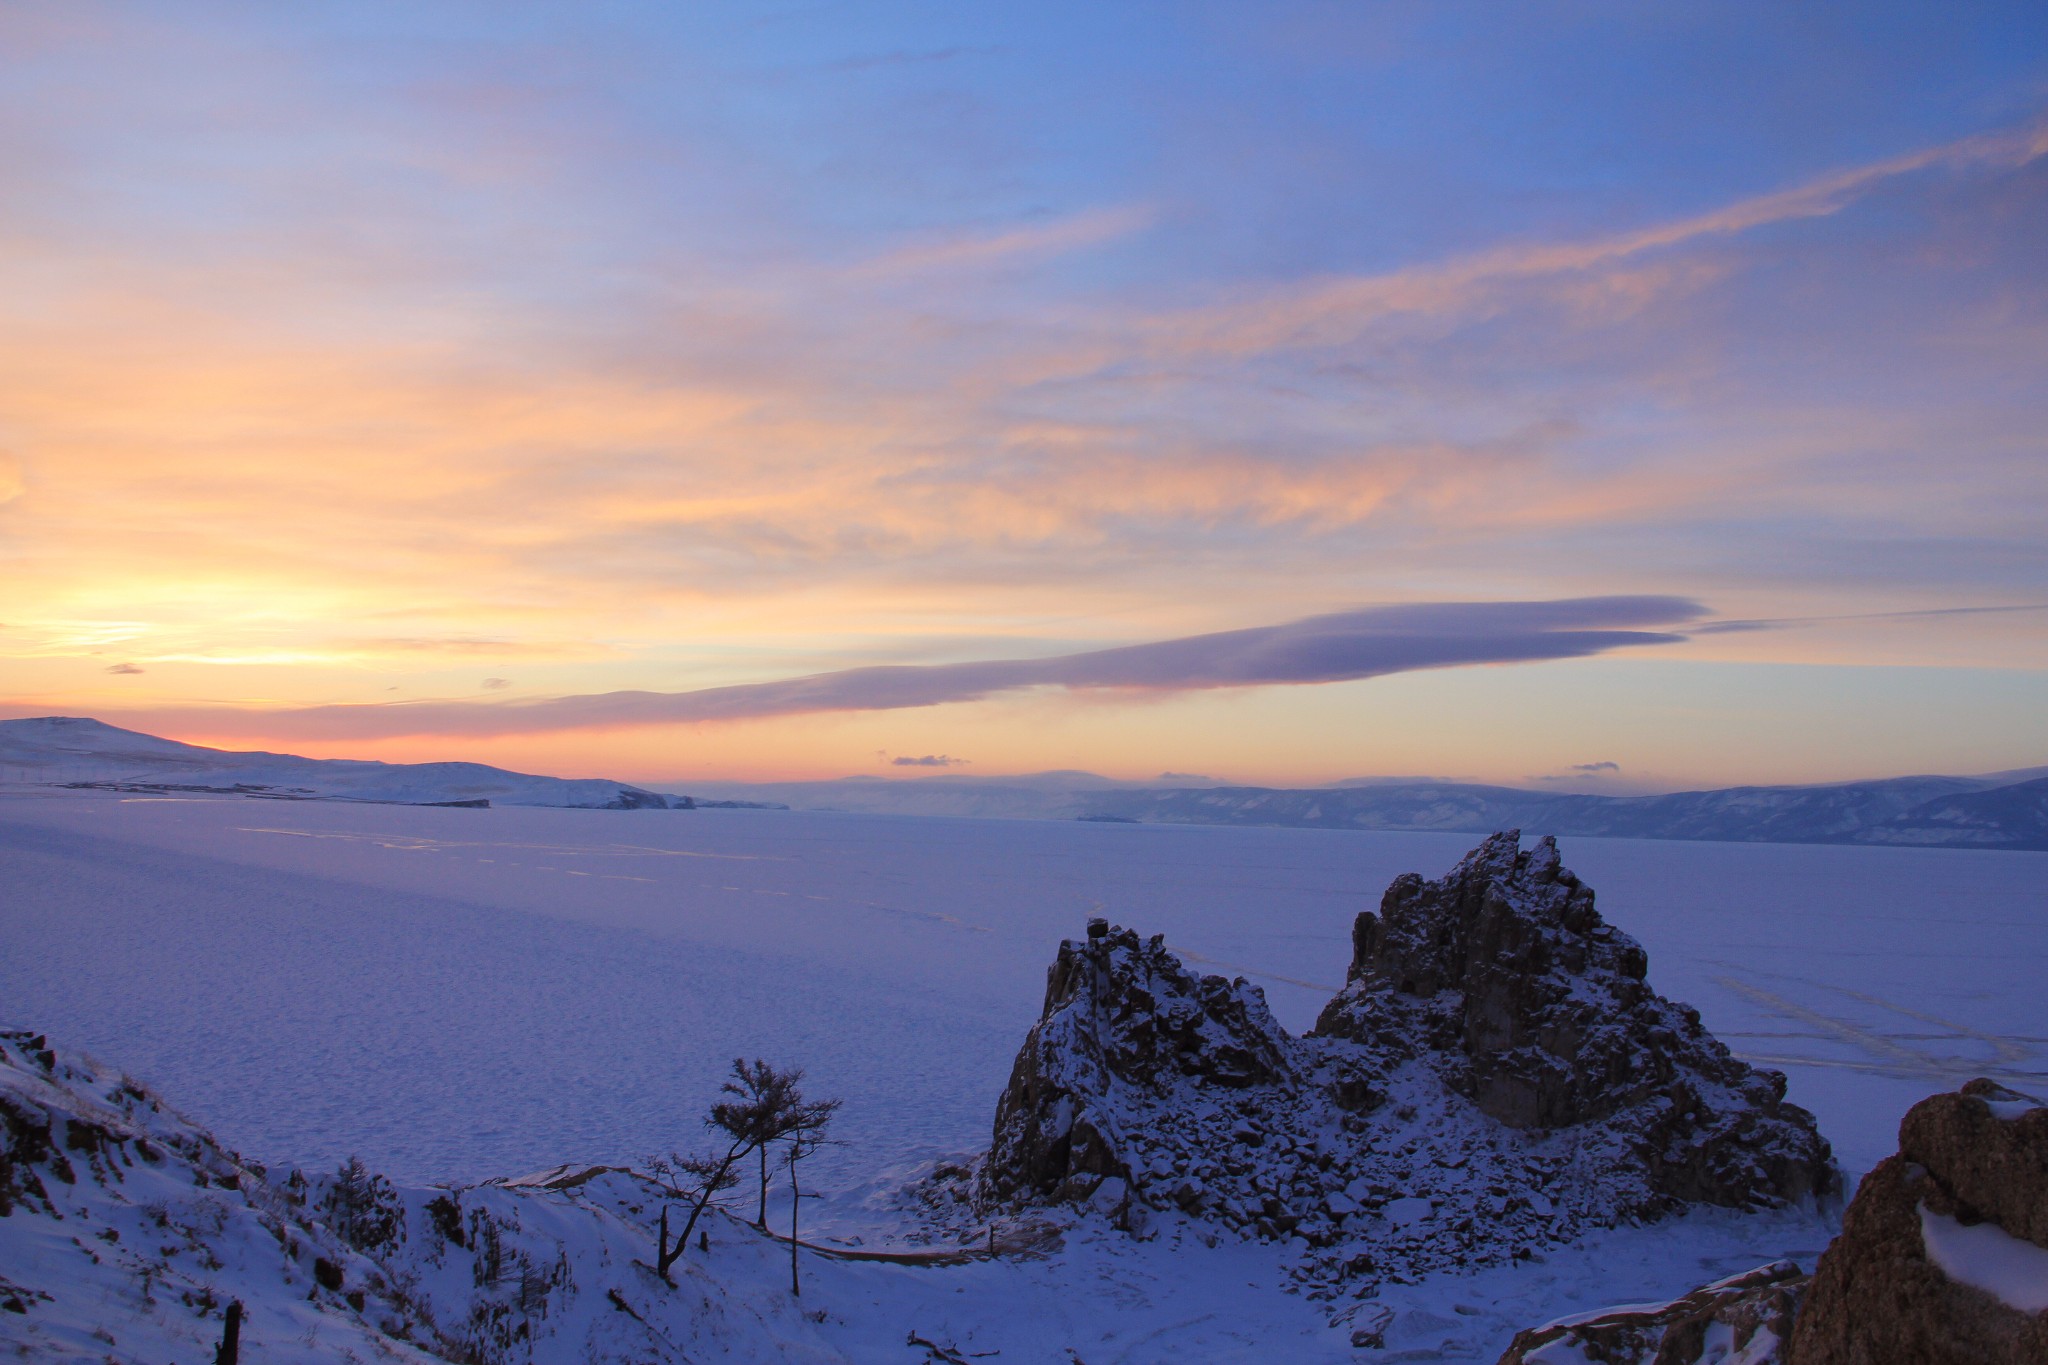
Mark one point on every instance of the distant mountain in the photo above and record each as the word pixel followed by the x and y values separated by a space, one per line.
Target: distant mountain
pixel 77 752
pixel 1940 811
pixel 1999 811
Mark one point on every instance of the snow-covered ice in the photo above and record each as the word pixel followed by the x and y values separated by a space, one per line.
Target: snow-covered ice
pixel 458 994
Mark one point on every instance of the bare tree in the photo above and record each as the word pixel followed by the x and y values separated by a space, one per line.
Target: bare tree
pixel 804 1131
pixel 763 1107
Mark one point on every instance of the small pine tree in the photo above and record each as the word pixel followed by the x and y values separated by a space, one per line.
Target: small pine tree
pixel 362 1208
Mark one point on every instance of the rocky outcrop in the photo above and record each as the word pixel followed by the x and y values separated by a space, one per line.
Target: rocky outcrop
pixel 1745 1318
pixel 1495 1075
pixel 1942 1260
pixel 1504 978
pixel 1124 1025
pixel 1943 1255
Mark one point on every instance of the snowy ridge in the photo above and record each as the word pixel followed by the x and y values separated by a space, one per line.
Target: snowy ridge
pixel 128 1230
pixel 1495 1077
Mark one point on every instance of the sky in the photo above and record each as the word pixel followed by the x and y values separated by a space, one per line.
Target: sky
pixel 1613 396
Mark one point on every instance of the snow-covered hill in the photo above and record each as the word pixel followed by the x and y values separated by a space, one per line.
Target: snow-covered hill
pixel 76 751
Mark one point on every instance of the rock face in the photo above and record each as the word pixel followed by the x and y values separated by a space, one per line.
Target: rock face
pixel 1495 1075
pixel 1943 1256
pixel 1745 1318
pixel 1506 979
pixel 1123 1022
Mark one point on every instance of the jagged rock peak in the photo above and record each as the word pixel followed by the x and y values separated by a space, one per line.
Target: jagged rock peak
pixel 1505 978
pixel 1124 1021
pixel 1495 1074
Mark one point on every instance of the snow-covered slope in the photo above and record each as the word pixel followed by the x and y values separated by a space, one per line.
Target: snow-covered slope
pixel 74 751
pixel 126 1232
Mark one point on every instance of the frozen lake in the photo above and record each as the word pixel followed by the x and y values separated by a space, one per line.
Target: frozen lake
pixel 465 993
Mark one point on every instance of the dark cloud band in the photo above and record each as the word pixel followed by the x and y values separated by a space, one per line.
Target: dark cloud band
pixel 1344 646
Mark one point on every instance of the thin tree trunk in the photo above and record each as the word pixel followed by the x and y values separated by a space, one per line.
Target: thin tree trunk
pixel 761 1215
pixel 796 1289
pixel 703 1201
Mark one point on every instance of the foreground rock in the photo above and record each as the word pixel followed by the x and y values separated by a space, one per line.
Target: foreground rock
pixel 1942 1260
pixel 1742 1320
pixel 1495 1075
pixel 1943 1256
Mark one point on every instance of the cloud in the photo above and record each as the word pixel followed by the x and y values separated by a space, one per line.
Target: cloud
pixel 1603 766
pixel 1799 622
pixel 123 668
pixel 496 684
pixel 1332 311
pixel 1343 646
pixel 927 761
pixel 1071 233
pixel 1185 777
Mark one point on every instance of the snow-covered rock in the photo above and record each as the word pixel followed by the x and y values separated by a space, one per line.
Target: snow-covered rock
pixel 1503 978
pixel 1744 1319
pixel 1496 1075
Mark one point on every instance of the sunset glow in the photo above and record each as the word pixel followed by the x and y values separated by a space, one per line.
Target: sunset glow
pixel 377 361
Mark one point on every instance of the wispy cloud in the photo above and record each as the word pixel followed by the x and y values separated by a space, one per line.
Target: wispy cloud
pixel 1744 627
pixel 966 250
pixel 1342 646
pixel 1331 311
pixel 927 761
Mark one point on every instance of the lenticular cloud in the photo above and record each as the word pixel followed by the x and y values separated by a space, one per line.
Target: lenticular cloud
pixel 1343 646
